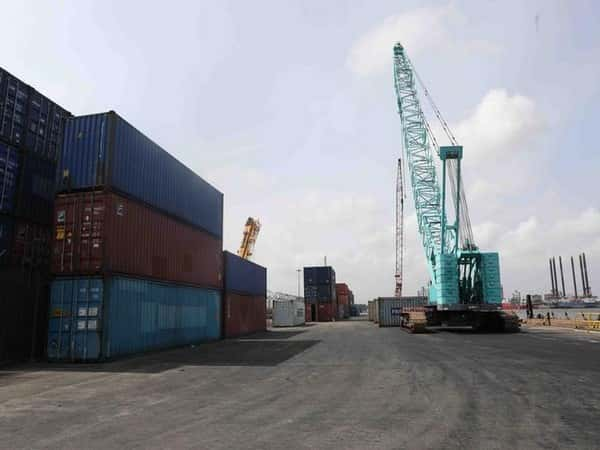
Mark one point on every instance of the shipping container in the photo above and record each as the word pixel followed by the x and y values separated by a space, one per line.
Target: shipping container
pixel 288 313
pixel 243 276
pixel 371 310
pixel 243 314
pixel 320 312
pixel 6 235
pixel 104 150
pixel 389 309
pixel 9 173
pixel 35 191
pixel 28 119
pixel 95 318
pixel 31 244
pixel 24 318
pixel 319 275
pixel 102 232
pixel 24 244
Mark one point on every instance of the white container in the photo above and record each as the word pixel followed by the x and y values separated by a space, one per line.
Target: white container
pixel 288 313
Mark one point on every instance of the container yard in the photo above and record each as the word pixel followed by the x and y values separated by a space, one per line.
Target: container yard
pixel 368 303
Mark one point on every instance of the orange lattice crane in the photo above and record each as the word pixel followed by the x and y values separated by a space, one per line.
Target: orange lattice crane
pixel 249 239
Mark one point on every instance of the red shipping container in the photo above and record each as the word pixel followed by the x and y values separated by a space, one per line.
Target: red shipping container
pixel 102 232
pixel 342 289
pixel 243 314
pixel 31 244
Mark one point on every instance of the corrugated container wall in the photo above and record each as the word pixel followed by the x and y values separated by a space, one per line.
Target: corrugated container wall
pixel 288 313
pixel 243 276
pixel 105 150
pixel 319 284
pixel 93 318
pixel 243 314
pixel 128 237
pixel 9 172
pixel 28 119
pixel 389 309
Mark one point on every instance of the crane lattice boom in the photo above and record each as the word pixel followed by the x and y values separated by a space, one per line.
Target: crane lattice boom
pixel 251 230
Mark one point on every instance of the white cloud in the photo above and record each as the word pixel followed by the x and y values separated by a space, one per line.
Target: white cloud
pixel 421 29
pixel 500 126
pixel 525 248
pixel 417 30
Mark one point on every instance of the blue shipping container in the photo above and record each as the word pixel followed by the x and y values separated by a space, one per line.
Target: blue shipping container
pixel 9 170
pixel 243 276
pixel 28 119
pixel 105 150
pixel 319 275
pixel 93 318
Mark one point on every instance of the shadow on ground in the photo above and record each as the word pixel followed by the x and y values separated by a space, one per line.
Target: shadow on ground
pixel 272 335
pixel 222 353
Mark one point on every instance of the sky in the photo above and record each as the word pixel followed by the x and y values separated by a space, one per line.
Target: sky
pixel 289 109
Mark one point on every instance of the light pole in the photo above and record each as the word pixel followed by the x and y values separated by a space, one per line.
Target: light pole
pixel 298 270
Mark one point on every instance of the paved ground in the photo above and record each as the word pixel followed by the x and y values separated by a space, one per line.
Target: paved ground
pixel 339 385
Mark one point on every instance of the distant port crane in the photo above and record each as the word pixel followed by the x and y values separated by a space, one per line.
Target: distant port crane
pixel 465 287
pixel 251 230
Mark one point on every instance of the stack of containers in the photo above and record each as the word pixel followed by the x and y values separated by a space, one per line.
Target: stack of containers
pixel 245 297
pixel 137 252
pixel 319 294
pixel 31 133
pixel 342 293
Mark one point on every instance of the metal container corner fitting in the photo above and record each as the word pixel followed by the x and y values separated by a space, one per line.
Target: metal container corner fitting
pixel 98 318
pixel 105 150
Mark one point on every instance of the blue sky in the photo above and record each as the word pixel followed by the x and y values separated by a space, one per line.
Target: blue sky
pixel 289 109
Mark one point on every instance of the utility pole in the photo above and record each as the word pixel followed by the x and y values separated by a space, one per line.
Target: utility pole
pixel 298 270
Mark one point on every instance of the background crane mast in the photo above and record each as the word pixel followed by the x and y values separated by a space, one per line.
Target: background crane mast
pixel 399 229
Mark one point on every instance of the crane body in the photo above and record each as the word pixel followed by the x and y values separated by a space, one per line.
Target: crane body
pixel 465 286
pixel 251 230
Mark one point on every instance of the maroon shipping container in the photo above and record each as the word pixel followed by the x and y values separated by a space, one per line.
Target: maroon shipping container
pixel 320 312
pixel 342 289
pixel 243 314
pixel 102 232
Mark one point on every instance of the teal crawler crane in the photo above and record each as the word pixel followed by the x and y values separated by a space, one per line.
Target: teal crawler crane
pixel 465 287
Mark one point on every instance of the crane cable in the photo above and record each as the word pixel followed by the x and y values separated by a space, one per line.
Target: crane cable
pixel 466 231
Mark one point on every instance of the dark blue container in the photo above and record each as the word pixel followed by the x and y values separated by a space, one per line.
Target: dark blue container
pixel 28 119
pixel 319 275
pixel 6 233
pixel 36 186
pixel 243 276
pixel 95 318
pixel 319 284
pixel 105 150
pixel 9 172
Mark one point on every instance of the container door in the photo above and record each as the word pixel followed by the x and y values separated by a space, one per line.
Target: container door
pixel 75 319
pixel 61 319
pixel 86 326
